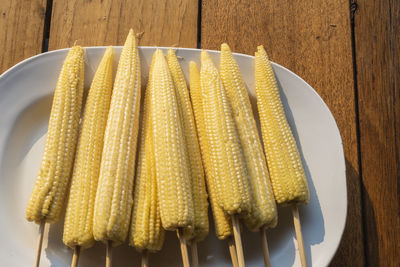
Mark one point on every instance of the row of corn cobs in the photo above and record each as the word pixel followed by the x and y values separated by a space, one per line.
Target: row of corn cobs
pixel 210 125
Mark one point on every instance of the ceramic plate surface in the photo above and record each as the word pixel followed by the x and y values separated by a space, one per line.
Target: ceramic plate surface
pixel 25 101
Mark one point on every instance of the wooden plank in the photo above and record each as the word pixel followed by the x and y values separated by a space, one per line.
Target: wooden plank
pixel 313 39
pixel 377 42
pixel 107 22
pixel 21 30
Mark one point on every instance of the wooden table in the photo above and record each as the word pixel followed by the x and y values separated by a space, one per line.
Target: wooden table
pixel 348 51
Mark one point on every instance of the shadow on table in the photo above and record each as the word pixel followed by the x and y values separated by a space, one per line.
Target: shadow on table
pixel 353 240
pixel 371 232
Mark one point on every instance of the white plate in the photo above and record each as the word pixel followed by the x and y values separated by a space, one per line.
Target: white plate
pixel 25 100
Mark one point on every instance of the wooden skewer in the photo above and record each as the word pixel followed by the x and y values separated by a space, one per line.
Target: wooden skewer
pixel 108 253
pixel 75 257
pixel 145 258
pixel 232 250
pixel 184 250
pixel 238 240
pixel 195 256
pixel 264 244
pixel 299 235
pixel 39 243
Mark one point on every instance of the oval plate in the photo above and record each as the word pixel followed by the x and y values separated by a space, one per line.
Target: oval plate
pixel 25 100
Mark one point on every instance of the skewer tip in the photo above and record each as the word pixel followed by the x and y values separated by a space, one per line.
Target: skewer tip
pixel 232 251
pixel 109 253
pixel 195 255
pixel 184 250
pixel 75 256
pixel 264 243
pixel 145 258
pixel 238 240
pixel 39 243
pixel 299 235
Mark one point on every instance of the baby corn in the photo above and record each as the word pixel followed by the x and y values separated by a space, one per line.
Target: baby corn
pixel 172 170
pixel 78 224
pixel 288 179
pixel 200 227
pixel 222 222
pixel 52 184
pixel 114 198
pixel 263 210
pixel 146 232
pixel 225 153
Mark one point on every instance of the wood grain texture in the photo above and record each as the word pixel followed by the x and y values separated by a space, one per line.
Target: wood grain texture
pixel 107 22
pixel 377 42
pixel 21 30
pixel 313 39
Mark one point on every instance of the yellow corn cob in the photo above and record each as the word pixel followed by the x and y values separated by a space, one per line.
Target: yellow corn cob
pixel 226 155
pixel 146 231
pixel 172 170
pixel 288 179
pixel 263 211
pixel 222 222
pixel 78 224
pixel 200 228
pixel 52 184
pixel 114 198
